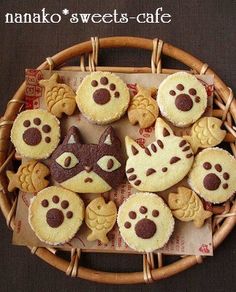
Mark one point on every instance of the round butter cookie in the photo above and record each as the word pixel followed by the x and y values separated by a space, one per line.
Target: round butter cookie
pixel 182 99
pixel 102 97
pixel 55 215
pixel 213 175
pixel 145 222
pixel 35 133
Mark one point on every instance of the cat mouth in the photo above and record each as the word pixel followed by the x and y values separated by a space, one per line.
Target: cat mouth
pixel 88 180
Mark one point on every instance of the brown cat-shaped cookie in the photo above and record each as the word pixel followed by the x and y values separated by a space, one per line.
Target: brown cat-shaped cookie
pixel 88 168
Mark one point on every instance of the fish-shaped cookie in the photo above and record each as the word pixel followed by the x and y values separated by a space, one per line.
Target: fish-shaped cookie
pixel 60 98
pixel 206 132
pixel 100 218
pixel 187 206
pixel 30 177
pixel 143 108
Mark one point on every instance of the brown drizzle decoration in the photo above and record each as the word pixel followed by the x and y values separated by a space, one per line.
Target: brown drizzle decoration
pixel 174 159
pixel 150 171
pixel 134 150
pixel 160 144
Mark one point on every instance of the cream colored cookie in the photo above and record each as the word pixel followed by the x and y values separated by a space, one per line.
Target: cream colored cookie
pixel 206 132
pixel 102 97
pixel 35 133
pixel 213 175
pixel 60 98
pixel 30 177
pixel 100 218
pixel 182 98
pixel 55 215
pixel 161 164
pixel 143 108
pixel 145 222
pixel 187 206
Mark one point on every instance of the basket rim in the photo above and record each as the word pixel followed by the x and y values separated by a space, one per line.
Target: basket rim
pixel 13 108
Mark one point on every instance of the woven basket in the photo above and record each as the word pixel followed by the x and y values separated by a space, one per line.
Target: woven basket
pixel 224 217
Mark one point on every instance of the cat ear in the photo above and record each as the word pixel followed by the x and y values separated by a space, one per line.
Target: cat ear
pixel 109 138
pixel 132 148
pixel 162 129
pixel 72 136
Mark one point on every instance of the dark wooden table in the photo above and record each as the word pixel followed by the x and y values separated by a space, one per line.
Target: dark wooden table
pixel 204 28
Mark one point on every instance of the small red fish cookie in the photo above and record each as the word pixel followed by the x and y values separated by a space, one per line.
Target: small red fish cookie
pixel 55 215
pixel 182 98
pixel 213 175
pixel 60 98
pixel 35 133
pixel 30 177
pixel 187 206
pixel 100 218
pixel 102 97
pixel 145 222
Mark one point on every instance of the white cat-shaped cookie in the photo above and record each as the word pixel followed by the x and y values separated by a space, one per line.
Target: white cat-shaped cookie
pixel 161 164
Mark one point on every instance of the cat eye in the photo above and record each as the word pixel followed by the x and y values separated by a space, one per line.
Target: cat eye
pixel 67 160
pixel 108 163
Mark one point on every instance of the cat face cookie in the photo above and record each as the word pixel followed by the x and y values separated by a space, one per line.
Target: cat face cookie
pixel 102 97
pixel 55 215
pixel 30 177
pixel 145 222
pixel 161 164
pixel 100 218
pixel 35 133
pixel 88 168
pixel 60 98
pixel 182 99
pixel 213 175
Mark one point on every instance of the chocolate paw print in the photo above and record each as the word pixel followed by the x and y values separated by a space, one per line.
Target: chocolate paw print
pixel 213 181
pixel 36 131
pixel 184 98
pixel 103 95
pixel 55 216
pixel 144 228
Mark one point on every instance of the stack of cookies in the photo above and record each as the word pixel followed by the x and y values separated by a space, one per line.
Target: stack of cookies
pixel 58 170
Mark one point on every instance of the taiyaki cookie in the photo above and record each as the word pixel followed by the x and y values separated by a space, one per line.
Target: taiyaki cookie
pixel 213 175
pixel 88 168
pixel 30 177
pixel 161 164
pixel 206 132
pixel 55 215
pixel 145 222
pixel 100 217
pixel 59 97
pixel 187 206
pixel 35 133
pixel 182 99
pixel 143 108
pixel 102 97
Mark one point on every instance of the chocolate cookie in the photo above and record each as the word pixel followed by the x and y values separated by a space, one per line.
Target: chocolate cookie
pixel 102 97
pixel 88 168
pixel 35 133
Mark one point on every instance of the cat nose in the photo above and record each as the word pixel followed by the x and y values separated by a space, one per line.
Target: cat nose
pixel 88 168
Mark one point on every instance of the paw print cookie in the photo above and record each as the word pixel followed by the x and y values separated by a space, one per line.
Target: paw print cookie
pixel 102 97
pixel 55 215
pixel 145 222
pixel 35 133
pixel 161 164
pixel 213 175
pixel 182 99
